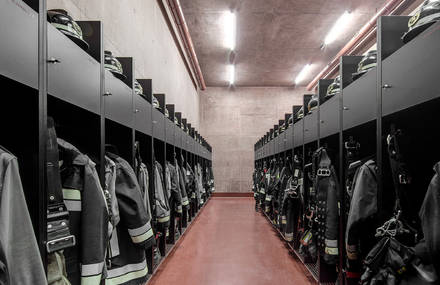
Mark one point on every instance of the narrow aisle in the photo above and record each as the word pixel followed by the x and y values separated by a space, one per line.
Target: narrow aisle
pixel 230 244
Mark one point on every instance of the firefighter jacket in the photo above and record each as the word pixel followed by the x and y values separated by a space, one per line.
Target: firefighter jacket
pixel 211 179
pixel 262 185
pixel 88 216
pixel 429 248
pixel 144 186
pixel 273 178
pixel 279 188
pixel 199 184
pixel 161 206
pixel 167 181
pixel 182 187
pixel 327 202
pixel 255 185
pixel 208 180
pixel 188 187
pixel 291 207
pixel 20 260
pixel 173 183
pixel 363 211
pixel 110 194
pixel 133 231
pixel 292 203
pixel 4 274
pixel 190 182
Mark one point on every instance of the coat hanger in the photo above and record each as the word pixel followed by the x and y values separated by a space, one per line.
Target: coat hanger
pixel 393 227
pixel 112 148
pixel 358 163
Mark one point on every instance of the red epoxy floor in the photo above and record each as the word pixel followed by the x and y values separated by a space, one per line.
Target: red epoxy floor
pixel 230 244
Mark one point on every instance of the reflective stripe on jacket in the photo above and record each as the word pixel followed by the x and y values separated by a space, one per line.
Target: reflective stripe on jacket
pixel 134 231
pixel 162 207
pixel 185 201
pixel 174 187
pixel 88 216
pixel 326 187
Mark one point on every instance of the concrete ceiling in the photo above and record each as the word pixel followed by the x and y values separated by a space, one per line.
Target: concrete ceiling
pixel 275 38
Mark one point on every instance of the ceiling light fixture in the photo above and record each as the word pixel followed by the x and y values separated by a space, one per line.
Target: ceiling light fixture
pixel 231 70
pixel 302 73
pixel 338 27
pixel 229 25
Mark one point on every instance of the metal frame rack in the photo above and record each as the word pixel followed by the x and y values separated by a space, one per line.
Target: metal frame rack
pixel 43 73
pixel 402 90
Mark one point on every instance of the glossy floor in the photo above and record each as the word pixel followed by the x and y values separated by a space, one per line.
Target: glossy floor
pixel 230 244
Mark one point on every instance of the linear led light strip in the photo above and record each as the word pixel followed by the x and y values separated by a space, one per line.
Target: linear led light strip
pixel 230 34
pixel 229 26
pixel 337 29
pixel 359 39
pixel 302 74
pixel 231 70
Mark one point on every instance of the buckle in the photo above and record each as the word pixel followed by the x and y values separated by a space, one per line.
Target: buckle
pixel 325 172
pixel 57 212
pixel 58 232
pixel 306 238
pixel 60 243
pixel 404 179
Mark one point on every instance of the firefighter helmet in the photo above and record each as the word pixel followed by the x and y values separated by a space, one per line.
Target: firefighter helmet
pixel 313 103
pixel 156 103
pixel 281 129
pixel 368 62
pixel 138 88
pixel 334 88
pixel 113 65
pixel 61 20
pixel 428 14
pixel 300 113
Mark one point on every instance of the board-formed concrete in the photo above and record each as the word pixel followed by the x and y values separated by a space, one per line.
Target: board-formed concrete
pixel 232 120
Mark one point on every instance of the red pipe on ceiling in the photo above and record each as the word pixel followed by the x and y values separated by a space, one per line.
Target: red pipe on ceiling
pixel 366 30
pixel 179 20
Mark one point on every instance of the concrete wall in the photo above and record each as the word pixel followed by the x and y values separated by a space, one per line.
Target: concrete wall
pixel 233 120
pixel 137 28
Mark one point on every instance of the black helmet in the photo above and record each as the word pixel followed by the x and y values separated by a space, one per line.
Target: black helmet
pixel 281 129
pixel 156 103
pixel 334 88
pixel 300 114
pixel 290 121
pixel 313 104
pixel 138 88
pixel 428 14
pixel 113 65
pixel 61 20
pixel 368 62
